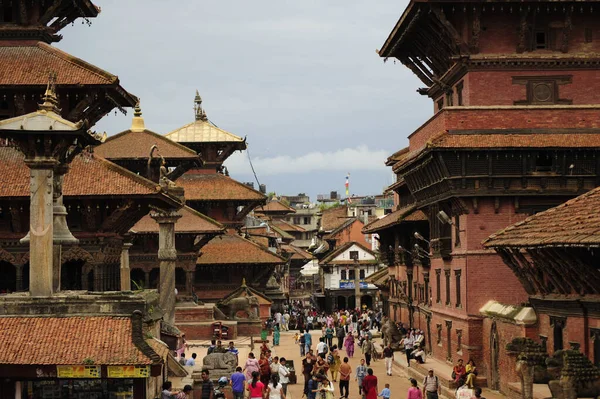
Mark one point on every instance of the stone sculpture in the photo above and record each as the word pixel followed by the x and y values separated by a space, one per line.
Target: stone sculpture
pixel 220 364
pixel 391 334
pixel 246 304
pixel 578 377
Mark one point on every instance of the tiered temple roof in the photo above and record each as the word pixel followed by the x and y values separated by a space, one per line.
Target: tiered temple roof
pixel 233 249
pixel 216 187
pixel 191 222
pixel 405 214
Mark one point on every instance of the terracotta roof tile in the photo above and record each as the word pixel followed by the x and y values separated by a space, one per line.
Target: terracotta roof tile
pixel 29 65
pixel 68 341
pixel 297 253
pixel 405 214
pixel 88 175
pixel 287 226
pixel 136 145
pixel 275 206
pixel 574 223
pixel 214 187
pixel 233 249
pixel 333 218
pixel 447 140
pixel 191 221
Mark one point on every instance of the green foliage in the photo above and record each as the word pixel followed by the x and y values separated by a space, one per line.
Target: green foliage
pixel 139 286
pixel 88 361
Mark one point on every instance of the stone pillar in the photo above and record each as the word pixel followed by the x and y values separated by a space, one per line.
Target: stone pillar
pixel 167 255
pixel 146 279
pixel 125 270
pixel 357 286
pixel 41 228
pixel 98 276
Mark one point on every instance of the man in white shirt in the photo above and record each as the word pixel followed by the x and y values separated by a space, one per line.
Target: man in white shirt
pixel 285 319
pixel 321 347
pixel 284 375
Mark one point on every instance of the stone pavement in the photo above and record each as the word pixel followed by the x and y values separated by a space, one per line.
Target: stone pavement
pixel 399 381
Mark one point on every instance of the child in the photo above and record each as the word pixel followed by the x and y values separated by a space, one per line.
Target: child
pixel 296 338
pixel 385 392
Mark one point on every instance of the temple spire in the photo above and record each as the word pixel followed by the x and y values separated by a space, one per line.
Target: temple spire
pixel 137 123
pixel 50 103
pixel 200 114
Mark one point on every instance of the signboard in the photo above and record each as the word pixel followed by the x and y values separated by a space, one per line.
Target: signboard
pixel 128 371
pixel 350 284
pixel 78 371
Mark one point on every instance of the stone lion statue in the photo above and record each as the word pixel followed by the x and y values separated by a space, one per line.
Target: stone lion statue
pixel 220 364
pixel 246 304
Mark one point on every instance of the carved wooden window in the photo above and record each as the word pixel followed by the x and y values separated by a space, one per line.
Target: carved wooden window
pixel 540 39
pixel 438 284
pixel 457 274
pixel 351 274
pixel 541 90
pixel 588 37
pixel 447 272
pixel 459 93
pixel 344 275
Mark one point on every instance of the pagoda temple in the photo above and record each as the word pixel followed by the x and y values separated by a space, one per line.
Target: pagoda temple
pixel 514 131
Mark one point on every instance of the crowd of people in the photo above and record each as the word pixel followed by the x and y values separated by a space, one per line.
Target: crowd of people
pixel 326 344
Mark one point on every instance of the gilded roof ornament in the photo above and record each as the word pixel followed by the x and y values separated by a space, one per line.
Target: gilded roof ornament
pixel 200 114
pixel 50 103
pixel 137 123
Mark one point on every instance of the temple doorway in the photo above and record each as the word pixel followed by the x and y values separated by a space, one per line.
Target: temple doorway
pixel 367 300
pixel 341 302
pixel 138 279
pixel 351 302
pixel 70 275
pixel 494 354
pixel 8 278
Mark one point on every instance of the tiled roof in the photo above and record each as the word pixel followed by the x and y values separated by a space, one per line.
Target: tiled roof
pixel 275 206
pixel 447 140
pixel 395 157
pixel 232 249
pixel 136 145
pixel 29 65
pixel 405 214
pixel 333 218
pixel 88 175
pixel 342 248
pixel 191 221
pixel 287 226
pixel 347 223
pixel 574 223
pixel 379 278
pixel 297 253
pixel 68 341
pixel 216 186
pixel 201 131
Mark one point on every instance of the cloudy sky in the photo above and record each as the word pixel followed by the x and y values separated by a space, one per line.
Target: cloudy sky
pixel 300 79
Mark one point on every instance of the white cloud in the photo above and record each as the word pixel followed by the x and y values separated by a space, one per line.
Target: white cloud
pixel 345 160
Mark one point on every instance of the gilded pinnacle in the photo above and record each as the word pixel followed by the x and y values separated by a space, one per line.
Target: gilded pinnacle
pixel 200 114
pixel 50 103
pixel 137 123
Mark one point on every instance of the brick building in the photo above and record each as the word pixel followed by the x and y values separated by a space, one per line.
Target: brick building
pixel 514 131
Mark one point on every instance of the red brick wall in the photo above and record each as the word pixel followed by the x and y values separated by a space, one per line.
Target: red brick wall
pixel 577 329
pixel 434 126
pixel 352 233
pixel 581 91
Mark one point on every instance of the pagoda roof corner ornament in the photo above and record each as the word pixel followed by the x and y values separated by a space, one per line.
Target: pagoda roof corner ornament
pixel 200 114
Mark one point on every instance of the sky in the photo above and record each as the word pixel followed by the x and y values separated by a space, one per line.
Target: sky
pixel 300 79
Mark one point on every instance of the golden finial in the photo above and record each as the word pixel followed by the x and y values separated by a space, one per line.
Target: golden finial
pixel 137 123
pixel 200 114
pixel 50 103
pixel 243 282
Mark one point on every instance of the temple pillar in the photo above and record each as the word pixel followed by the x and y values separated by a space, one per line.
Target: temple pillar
pixel 189 281
pixel 146 279
pixel 19 278
pixel 41 227
pixel 98 276
pixel 167 255
pixel 125 274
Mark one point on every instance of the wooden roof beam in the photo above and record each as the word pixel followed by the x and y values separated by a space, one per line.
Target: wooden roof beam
pixel 407 62
pixel 460 44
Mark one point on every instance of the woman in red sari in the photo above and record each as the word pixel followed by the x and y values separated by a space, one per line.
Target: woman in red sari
pixel 264 369
pixel 369 385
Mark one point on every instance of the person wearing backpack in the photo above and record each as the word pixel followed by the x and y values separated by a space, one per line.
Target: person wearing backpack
pixel 431 386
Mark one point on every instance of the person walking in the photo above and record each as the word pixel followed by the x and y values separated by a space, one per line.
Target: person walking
pixel 370 385
pixel 349 345
pixel 208 390
pixel 302 343
pixel 367 349
pixel 413 391
pixel 329 336
pixel 238 383
pixel 361 373
pixel 340 333
pixel 284 375
pixel 307 341
pixel 251 366
pixel 345 373
pixel 408 342
pixel 255 388
pixel 388 354
pixel 276 335
pixel 275 389
pixel 385 392
pixel 325 388
pixel 431 386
